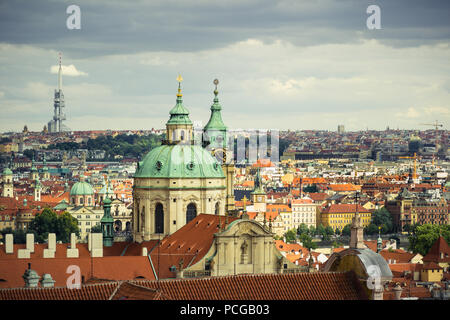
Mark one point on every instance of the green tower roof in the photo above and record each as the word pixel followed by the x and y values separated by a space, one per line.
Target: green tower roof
pixel 179 161
pixel 81 188
pixel 179 114
pixel 107 215
pixel 7 171
pixel 215 121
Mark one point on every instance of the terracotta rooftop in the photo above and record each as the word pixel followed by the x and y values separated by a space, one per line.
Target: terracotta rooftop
pixel 344 187
pixel 439 252
pixel 300 286
pixel 431 266
pixel 318 196
pixel 89 292
pixel 396 256
pixel 110 268
pixel 188 245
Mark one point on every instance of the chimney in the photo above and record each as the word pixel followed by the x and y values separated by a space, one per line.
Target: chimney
pixel 31 278
pixel 9 243
pixel 47 281
pixel 397 291
pixel 144 251
pixel 30 242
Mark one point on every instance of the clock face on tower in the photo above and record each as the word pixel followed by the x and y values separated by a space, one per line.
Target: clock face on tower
pixel 220 155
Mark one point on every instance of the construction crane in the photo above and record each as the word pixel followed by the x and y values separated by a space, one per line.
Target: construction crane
pixel 415 164
pixel 436 125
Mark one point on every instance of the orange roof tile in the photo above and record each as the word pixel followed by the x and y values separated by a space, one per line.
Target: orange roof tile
pixel 327 286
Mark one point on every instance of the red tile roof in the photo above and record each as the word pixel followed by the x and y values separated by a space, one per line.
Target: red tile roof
pixel 372 244
pixel 439 252
pixel 344 187
pixel 431 266
pixel 419 292
pixel 110 268
pixel 300 286
pixel 398 257
pixel 318 196
pixel 189 244
pixel 89 292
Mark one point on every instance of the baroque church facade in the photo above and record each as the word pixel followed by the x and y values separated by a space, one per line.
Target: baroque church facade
pixel 183 177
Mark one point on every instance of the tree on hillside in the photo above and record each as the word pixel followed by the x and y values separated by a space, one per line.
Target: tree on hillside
pixel 312 231
pixel 382 217
pixel 49 222
pixel 328 233
pixel 320 230
pixel 301 229
pixel 371 229
pixel 346 231
pixel 307 242
pixel 19 236
pixel 423 237
pixel 291 236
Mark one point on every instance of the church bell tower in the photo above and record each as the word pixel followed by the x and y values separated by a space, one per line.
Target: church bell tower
pixel 215 139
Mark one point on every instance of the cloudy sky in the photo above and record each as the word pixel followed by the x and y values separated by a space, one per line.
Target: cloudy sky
pixel 289 64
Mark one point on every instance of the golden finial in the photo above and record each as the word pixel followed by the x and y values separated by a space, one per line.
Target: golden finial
pixel 179 79
pixel 216 82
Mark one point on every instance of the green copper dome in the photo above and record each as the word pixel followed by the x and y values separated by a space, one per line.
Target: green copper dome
pixel 179 161
pixel 7 171
pixel 81 188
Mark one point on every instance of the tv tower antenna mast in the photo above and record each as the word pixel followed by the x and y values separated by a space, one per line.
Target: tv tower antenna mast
pixel 56 125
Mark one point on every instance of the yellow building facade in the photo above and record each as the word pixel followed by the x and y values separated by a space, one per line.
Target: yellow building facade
pixel 337 216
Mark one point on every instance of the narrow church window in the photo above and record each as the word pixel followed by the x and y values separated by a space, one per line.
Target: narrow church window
pixel 217 209
pixel 191 212
pixel 142 218
pixel 159 218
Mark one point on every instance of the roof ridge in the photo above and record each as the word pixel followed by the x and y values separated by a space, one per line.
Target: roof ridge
pixel 115 290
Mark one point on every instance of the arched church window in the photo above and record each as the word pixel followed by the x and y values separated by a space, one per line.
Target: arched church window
pixel 159 218
pixel 142 219
pixel 173 135
pixel 182 135
pixel 217 208
pixel 191 212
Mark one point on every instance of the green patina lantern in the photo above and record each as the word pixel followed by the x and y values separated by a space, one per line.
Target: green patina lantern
pixel 107 223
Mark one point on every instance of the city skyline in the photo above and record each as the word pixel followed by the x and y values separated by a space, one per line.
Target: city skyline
pixel 289 65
